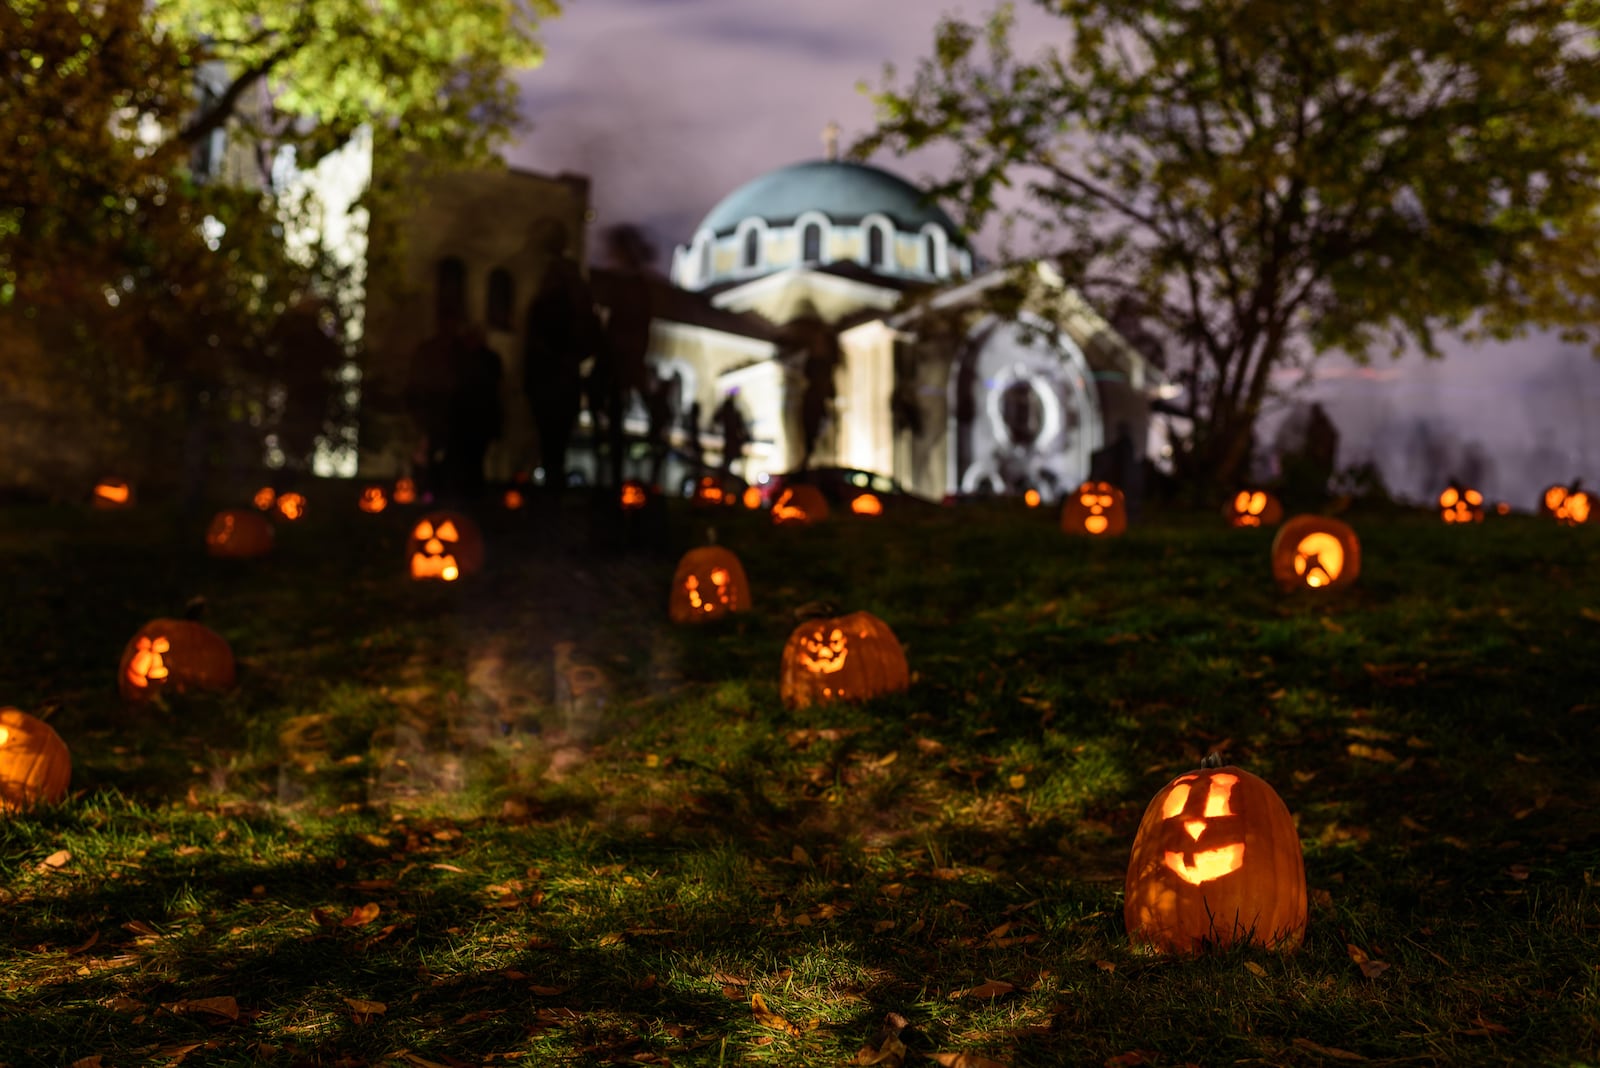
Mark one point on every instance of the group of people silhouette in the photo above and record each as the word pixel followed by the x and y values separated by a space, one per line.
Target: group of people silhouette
pixel 454 389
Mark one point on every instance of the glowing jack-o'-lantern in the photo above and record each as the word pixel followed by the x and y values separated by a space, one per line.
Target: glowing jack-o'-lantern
pixel 1312 552
pixel 405 491
pixel 635 495
pixel 798 505
pixel 372 500
pixel 1095 509
pixel 238 533
pixel 444 546
pixel 513 500
pixel 1459 504
pixel 1032 498
pixel 709 584
pixel 1253 508
pixel 866 504
pixel 708 492
pixel 752 498
pixel 265 498
pixel 1216 860
pixel 1567 505
pixel 112 493
pixel 174 656
pixel 851 658
pixel 35 766
pixel 291 506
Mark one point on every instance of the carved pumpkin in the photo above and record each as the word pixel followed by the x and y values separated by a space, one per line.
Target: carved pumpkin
pixel 372 500
pixel 513 500
pixel 709 584
pixel 1032 498
pixel 239 533
pixel 112 493
pixel 405 491
pixel 799 505
pixel 445 546
pixel 752 498
pixel 1315 552
pixel 851 658
pixel 1502 508
pixel 1253 508
pixel 35 766
pixel 1096 509
pixel 291 507
pixel 265 498
pixel 708 492
pixel 1459 504
pixel 866 504
pixel 1567 505
pixel 635 495
pixel 1217 860
pixel 174 656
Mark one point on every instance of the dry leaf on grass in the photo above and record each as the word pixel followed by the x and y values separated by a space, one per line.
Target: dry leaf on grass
pixel 225 1007
pixel 767 1018
pixel 361 915
pixel 992 988
pixel 964 1060
pixel 58 859
pixel 1369 967
pixel 88 1062
pixel 361 1007
pixel 885 1050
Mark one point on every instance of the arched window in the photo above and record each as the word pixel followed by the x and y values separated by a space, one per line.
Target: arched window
pixel 752 247
pixel 930 252
pixel 875 246
pixel 497 311
pixel 811 243
pixel 450 291
pixel 705 260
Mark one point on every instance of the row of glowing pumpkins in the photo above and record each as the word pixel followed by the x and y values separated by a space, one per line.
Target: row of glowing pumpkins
pixel 1216 858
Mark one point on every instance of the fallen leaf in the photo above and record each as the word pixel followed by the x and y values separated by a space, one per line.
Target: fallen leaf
pixel 362 1007
pixel 58 859
pixel 1255 969
pixel 767 1018
pixel 547 991
pixel 929 746
pixel 1328 1051
pixel 225 1007
pixel 1484 1028
pixel 1371 752
pixel 1131 1059
pixel 963 1060
pixel 361 915
pixel 1369 967
pixel 885 1049
pixel 88 1062
pixel 885 761
pixel 1017 781
pixel 992 988
pixel 75 950
pixel 1105 965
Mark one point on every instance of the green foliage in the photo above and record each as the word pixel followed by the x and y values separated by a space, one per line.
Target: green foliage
pixel 1268 180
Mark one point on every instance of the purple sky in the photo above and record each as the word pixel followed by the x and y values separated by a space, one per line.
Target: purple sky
pixel 670 104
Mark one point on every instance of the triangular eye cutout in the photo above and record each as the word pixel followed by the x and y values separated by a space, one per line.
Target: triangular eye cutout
pixel 447 532
pixel 424 531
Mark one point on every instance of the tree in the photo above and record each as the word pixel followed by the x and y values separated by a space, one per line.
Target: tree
pixel 136 290
pixel 1263 181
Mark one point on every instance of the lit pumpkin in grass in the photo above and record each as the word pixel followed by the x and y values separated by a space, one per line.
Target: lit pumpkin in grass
pixel 372 500
pixel 444 546
pixel 799 505
pixel 174 656
pixel 291 507
pixel 1216 861
pixel 405 491
pixel 111 494
pixel 708 493
pixel 850 658
pixel 35 766
pixel 634 495
pixel 1032 498
pixel 513 500
pixel 239 533
pixel 1253 508
pixel 866 504
pixel 709 584
pixel 265 498
pixel 1567 505
pixel 752 498
pixel 1096 509
pixel 1460 504
pixel 1313 552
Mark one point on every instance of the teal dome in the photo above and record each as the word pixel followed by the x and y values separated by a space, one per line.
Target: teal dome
pixel 844 192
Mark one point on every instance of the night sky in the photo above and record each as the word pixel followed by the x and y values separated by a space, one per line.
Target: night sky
pixel 670 104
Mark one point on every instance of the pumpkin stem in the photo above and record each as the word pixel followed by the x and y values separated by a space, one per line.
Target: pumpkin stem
pixel 1213 760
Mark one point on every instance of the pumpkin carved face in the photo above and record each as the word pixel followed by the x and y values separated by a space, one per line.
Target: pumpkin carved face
pixel 752 498
pixel 1459 504
pixel 1096 509
pixel 112 494
pixel 444 546
pixel 265 498
pixel 1567 505
pixel 634 495
pixel 799 505
pixel 35 766
pixel 238 533
pixel 174 656
pixel 1217 859
pixel 291 507
pixel 1315 553
pixel 708 492
pixel 372 500
pixel 709 584
pixel 405 491
pixel 866 504
pixel 851 658
pixel 1253 508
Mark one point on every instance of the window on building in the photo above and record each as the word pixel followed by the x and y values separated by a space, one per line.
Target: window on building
pixel 930 253
pixel 875 246
pixel 705 260
pixel 502 295
pixel 450 292
pixel 752 248
pixel 811 243
pixel 1022 412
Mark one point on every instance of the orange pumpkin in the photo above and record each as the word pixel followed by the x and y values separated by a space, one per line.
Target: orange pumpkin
pixel 1253 508
pixel 1316 553
pixel 799 505
pixel 866 504
pixel 1567 505
pixel 1216 860
pixel 752 498
pixel 851 658
pixel 174 656
pixel 405 491
pixel 1096 509
pixel 513 500
pixel 708 492
pixel 445 546
pixel 291 507
pixel 709 584
pixel 372 500
pixel 35 766
pixel 1032 498
pixel 1460 504
pixel 239 533
pixel 111 494
pixel 265 498
pixel 635 495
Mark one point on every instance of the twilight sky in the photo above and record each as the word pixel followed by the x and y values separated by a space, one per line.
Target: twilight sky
pixel 668 105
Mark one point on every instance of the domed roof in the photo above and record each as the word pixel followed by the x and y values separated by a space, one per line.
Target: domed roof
pixel 844 192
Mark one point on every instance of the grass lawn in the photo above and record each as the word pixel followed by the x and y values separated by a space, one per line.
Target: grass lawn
pixel 391 845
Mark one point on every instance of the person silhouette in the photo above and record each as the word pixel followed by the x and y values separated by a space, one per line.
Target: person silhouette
pixel 560 331
pixel 475 411
pixel 623 288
